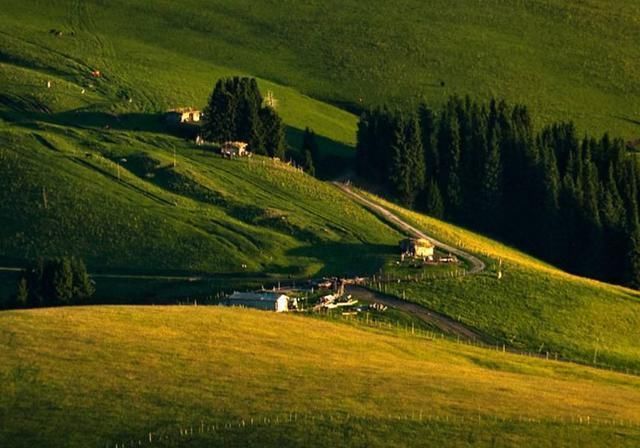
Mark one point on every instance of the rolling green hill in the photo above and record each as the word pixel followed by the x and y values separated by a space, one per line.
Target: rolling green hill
pixel 567 60
pixel 66 187
pixel 117 200
pixel 533 306
pixel 105 375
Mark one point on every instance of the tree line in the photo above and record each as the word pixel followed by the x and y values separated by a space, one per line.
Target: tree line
pixel 570 200
pixel 53 282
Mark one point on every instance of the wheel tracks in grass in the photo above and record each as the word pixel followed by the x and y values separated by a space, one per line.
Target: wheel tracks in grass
pixel 285 198
pixel 81 18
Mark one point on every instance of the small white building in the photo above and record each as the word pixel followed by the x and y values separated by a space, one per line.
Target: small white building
pixel 263 300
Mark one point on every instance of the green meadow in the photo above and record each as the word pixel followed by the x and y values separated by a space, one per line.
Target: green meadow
pixel 88 168
pixel 534 306
pixel 565 59
pixel 117 200
pixel 97 376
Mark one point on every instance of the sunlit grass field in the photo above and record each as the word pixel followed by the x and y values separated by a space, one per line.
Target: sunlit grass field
pixel 103 375
pixel 534 306
pixel 565 59
pixel 87 168
pixel 117 200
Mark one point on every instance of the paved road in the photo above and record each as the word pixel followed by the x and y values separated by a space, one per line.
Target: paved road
pixel 477 265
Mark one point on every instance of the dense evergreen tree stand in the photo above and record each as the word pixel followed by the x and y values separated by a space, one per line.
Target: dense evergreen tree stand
pixel 58 281
pixel 571 201
pixel 236 112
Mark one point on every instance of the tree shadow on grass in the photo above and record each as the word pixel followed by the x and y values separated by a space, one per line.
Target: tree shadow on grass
pixel 347 259
pixel 336 157
pixel 137 122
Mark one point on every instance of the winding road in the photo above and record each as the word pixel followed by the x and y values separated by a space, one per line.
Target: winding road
pixel 477 265
pixel 446 324
pixel 441 321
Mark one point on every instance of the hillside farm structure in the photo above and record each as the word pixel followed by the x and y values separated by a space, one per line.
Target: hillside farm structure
pixel 183 115
pixel 417 248
pixel 269 301
pixel 234 149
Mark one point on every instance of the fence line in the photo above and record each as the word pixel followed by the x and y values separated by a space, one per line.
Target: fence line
pixel 182 432
pixel 411 331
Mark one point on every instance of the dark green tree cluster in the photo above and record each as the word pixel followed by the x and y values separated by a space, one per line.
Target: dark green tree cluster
pixel 236 112
pixel 390 151
pixel 572 201
pixel 310 151
pixel 59 281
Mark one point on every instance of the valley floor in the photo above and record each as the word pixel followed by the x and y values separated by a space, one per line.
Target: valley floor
pixel 97 376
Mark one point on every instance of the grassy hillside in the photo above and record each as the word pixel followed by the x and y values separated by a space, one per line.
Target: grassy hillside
pixel 103 375
pixel 116 199
pixel 534 306
pixel 60 147
pixel 171 55
pixel 566 59
pixel 138 76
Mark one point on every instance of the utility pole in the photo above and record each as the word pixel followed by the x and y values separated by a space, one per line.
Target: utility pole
pixel 270 100
pixel 44 198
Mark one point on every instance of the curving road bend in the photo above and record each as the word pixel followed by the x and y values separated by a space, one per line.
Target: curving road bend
pixel 477 265
pixel 443 323
pixel 446 324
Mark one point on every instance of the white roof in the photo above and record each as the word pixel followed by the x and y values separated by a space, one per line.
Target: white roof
pixel 258 296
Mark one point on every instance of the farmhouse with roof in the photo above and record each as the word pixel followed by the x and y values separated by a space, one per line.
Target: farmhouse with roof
pixel 234 149
pixel 417 248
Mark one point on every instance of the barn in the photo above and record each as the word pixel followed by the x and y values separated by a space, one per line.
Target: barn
pixel 262 300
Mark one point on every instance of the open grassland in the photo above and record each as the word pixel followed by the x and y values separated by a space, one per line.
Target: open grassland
pixel 139 77
pixel 534 306
pixel 566 59
pixel 102 375
pixel 116 200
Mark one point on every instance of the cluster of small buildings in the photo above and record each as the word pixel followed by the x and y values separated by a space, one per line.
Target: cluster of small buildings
pixel 186 116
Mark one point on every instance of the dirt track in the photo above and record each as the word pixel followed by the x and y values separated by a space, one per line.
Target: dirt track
pixel 477 265
pixel 444 323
